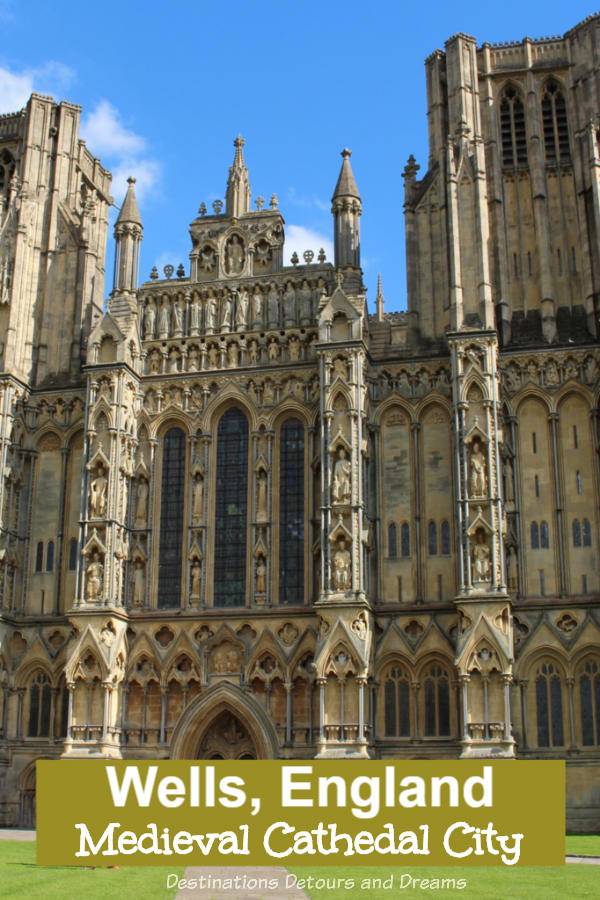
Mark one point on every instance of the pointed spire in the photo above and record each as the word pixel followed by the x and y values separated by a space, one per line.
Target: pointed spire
pixel 129 211
pixel 379 300
pixel 346 185
pixel 237 198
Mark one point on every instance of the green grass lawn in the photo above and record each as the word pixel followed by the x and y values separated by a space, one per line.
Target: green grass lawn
pixel 20 877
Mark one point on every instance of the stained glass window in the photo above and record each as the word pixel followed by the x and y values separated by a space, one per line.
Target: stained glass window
pixel 397 703
pixel 39 706
pixel 576 533
pixel 445 538
pixel 535 536
pixel 171 519
pixel 437 702
pixel 512 127
pixel 432 534
pixel 587 533
pixel 548 697
pixel 405 539
pixel 291 513
pixel 73 555
pixel 231 510
pixel 556 131
pixel 589 685
pixel 392 541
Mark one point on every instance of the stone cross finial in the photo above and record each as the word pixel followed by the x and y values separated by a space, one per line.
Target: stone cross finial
pixel 339 277
pixel 259 203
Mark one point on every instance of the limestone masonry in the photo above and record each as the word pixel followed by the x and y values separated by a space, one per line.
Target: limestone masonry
pixel 243 518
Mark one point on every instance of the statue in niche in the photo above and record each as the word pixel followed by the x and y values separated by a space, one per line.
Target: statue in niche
pixel 213 357
pixel 233 355
pixel 194 316
pixel 257 306
pixel 154 362
pixel 551 376
pixel 98 494
pixel 149 320
pixel 273 305
pixel 481 558
pixel 478 476
pixel 254 352
pixel 241 309
pixel 226 311
pixel 163 320
pixel 234 256
pixel 261 497
pixel 273 350
pixel 511 568
pixel 211 313
pixel 261 575
pixel 590 369
pixel 268 394
pixel 340 368
pixel 197 498
pixel 341 566
pixel 294 348
pixel 289 305
pixel 207 259
pixel 193 359
pixel 141 503
pixel 305 303
pixel 342 475
pixel 95 574
pixel 173 360
pixel 196 575
pixel 177 318
pixel 139 583
pixel 509 493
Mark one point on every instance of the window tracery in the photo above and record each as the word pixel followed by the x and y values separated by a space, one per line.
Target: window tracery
pixel 231 509
pixel 171 519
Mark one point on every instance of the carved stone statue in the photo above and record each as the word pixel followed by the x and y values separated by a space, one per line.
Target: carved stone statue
pixel 478 476
pixel 211 314
pixel 177 318
pixel 481 558
pixel 98 494
pixel 233 355
pixel 194 316
pixel 341 566
pixel 289 305
pixel 241 309
pixel 342 478
pixel 163 320
pixel 261 575
pixel 139 583
pixel 173 360
pixel 254 352
pixel 257 307
pixel 213 357
pixel 261 497
pixel 305 303
pixel 234 256
pixel 95 574
pixel 149 320
pixel 196 574
pixel 197 498
pixel 141 503
pixel 226 311
pixel 511 568
pixel 509 493
pixel 273 305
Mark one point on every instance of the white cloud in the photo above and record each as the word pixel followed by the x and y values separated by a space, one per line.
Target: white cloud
pixel 298 238
pixel 121 150
pixel 15 86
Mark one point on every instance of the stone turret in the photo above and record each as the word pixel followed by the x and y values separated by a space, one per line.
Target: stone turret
pixel 128 237
pixel 237 198
pixel 347 209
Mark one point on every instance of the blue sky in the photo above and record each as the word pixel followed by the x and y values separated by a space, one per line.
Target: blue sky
pixel 165 90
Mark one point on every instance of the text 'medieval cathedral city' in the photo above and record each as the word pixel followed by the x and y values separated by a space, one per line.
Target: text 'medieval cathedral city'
pixel 242 517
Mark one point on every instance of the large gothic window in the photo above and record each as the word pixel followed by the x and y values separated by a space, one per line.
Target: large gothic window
pixel 554 118
pixel 512 127
pixel 589 687
pixel 231 510
pixel 548 701
pixel 397 703
pixel 291 515
pixel 39 706
pixel 171 519
pixel 437 702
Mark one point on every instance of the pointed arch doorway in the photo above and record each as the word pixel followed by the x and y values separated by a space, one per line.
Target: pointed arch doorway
pixel 224 722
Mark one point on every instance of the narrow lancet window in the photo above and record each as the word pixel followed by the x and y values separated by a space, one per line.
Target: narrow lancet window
pixel 171 519
pixel 291 515
pixel 231 510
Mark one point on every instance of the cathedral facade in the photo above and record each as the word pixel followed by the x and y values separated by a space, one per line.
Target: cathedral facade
pixel 242 518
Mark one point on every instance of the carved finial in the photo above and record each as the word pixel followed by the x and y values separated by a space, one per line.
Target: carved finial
pixel 131 180
pixel 217 206
pixel 321 257
pixel 379 300
pixel 154 273
pixel 274 201
pixel 411 169
pixel 202 209
pixel 260 202
pixel 294 260
pixel 346 153
pixel 339 277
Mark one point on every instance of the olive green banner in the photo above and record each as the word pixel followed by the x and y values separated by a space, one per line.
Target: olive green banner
pixel 302 813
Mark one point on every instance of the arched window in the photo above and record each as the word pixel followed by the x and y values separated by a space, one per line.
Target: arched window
pixel 437 702
pixel 73 555
pixel 576 533
pixel 405 539
pixel 39 557
pixel 445 538
pixel 7 168
pixel 554 118
pixel 397 703
pixel 291 513
pixel 171 519
pixel 587 533
pixel 512 127
pixel 231 509
pixel 544 536
pixel 589 688
pixel 432 535
pixel 392 541
pixel 535 536
pixel 50 556
pixel 548 701
pixel 39 706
